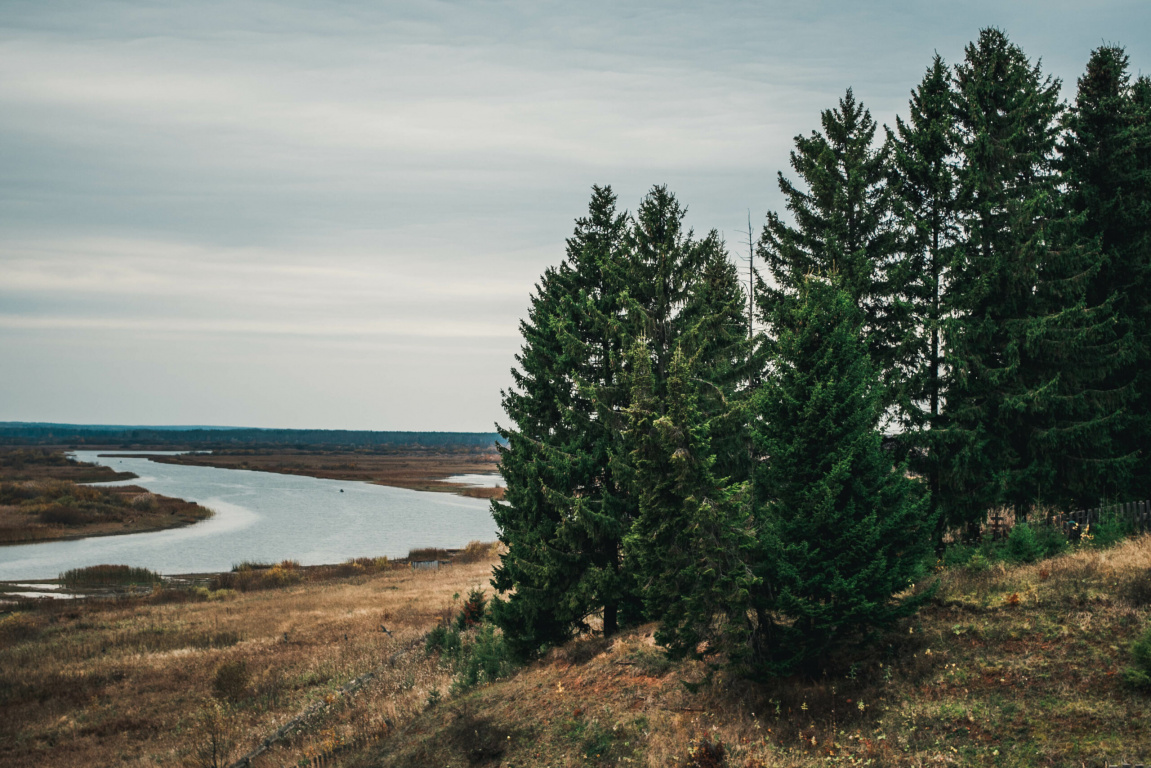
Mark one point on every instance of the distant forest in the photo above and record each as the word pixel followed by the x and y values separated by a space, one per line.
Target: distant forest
pixel 24 433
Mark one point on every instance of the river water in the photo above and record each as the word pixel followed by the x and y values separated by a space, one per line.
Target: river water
pixel 262 516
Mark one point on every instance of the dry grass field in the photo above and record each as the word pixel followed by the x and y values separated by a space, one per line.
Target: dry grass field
pixel 1006 666
pixel 417 470
pixel 155 680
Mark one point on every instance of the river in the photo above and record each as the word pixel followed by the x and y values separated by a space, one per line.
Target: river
pixel 262 516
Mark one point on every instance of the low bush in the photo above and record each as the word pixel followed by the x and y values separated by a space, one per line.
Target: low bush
pixel 1139 675
pixel 476 551
pixel 427 553
pixel 483 658
pixel 1137 590
pixel 68 516
pixel 472 614
pixel 231 681
pixel 1109 531
pixel 247 576
pixel 476 654
pixel 109 576
pixel 706 752
pixel 213 748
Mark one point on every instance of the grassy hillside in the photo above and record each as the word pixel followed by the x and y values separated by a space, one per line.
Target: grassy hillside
pixel 1005 667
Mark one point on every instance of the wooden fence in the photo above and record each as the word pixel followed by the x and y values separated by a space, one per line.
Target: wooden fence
pixel 1137 514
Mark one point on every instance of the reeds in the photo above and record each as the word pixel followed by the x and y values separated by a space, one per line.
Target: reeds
pixel 95 576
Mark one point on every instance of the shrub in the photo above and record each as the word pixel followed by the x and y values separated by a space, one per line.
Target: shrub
pixel 475 551
pixel 231 680
pixel 1023 545
pixel 109 576
pixel 60 515
pixel 958 554
pixel 978 563
pixel 1139 676
pixel 477 656
pixel 1137 590
pixel 1051 540
pixel 706 753
pixel 482 660
pixel 145 501
pixel 428 553
pixel 1109 530
pixel 473 611
pixel 215 737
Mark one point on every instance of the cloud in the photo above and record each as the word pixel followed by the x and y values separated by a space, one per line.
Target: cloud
pixel 263 188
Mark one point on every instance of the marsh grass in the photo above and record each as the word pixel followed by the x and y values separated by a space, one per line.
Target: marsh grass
pixel 251 576
pixel 43 509
pixel 109 576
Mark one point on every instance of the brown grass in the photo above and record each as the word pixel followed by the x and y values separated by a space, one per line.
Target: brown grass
pixel 43 510
pixel 23 464
pixel 1007 667
pixel 136 681
pixel 40 500
pixel 1010 667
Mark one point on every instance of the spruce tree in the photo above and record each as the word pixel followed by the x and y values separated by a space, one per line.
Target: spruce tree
pixel 1024 349
pixel 564 514
pixel 693 537
pixel 842 530
pixel 923 160
pixel 843 224
pixel 1105 170
pixel 715 327
pixel 665 260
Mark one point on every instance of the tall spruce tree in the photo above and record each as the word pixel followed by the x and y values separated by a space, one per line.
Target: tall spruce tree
pixel 842 530
pixel 664 260
pixel 693 537
pixel 715 328
pixel 843 224
pixel 1024 349
pixel 565 515
pixel 923 167
pixel 681 286
pixel 1105 169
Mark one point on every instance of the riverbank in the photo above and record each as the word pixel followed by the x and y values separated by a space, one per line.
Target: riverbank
pixel 44 497
pixel 413 469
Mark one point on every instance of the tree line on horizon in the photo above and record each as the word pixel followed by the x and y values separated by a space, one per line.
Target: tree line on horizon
pixel 955 319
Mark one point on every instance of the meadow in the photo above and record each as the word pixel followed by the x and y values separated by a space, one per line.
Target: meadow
pixel 1007 665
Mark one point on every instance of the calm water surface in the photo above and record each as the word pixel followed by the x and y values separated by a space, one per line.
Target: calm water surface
pixel 262 516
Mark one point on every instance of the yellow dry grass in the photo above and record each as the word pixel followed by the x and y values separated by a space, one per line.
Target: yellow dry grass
pixel 1008 667
pixel 129 683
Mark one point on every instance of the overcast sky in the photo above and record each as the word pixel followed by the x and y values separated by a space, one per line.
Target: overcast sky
pixel 331 215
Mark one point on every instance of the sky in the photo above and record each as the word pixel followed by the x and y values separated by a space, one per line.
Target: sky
pixel 333 214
